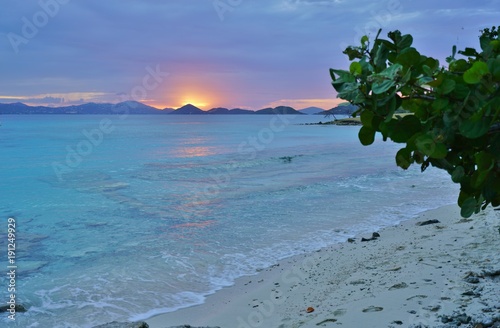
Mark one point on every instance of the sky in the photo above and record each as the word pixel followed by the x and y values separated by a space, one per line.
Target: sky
pixel 212 53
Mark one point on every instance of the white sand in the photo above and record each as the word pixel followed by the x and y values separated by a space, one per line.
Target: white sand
pixel 410 276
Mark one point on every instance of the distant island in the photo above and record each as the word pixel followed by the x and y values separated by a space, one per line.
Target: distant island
pixel 137 108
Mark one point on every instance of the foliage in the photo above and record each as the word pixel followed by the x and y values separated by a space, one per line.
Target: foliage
pixel 455 123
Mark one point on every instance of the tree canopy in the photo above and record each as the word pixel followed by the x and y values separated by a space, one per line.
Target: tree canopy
pixel 454 121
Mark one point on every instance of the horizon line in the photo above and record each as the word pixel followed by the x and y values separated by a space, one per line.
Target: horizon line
pixel 160 109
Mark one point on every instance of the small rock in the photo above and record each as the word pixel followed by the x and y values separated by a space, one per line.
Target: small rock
pixel 351 240
pixel 463 318
pixel 310 310
pixel 18 308
pixel 116 324
pixel 394 269
pixel 375 235
pixel 487 322
pixel 472 280
pixel 434 308
pixel 492 273
pixel 423 223
pixel 373 309
pixel 399 286
pixel 397 322
pixel 471 293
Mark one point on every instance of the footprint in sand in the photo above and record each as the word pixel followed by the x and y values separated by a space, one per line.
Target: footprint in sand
pixel 399 286
pixel 373 309
pixel 326 321
pixel 339 312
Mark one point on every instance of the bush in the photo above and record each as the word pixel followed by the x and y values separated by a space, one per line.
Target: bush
pixel 454 121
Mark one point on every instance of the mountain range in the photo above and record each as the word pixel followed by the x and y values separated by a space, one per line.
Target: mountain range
pixel 137 108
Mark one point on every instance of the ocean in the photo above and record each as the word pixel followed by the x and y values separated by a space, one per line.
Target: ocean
pixel 122 218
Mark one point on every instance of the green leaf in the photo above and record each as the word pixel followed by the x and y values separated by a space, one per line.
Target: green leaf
pixel 392 71
pixel 403 158
pixel 459 65
pixel 458 174
pixel 478 178
pixel 406 78
pixel 343 78
pixel 406 41
pixel 395 36
pixel 424 80
pixel 469 52
pixel 495 44
pixel 461 91
pixel 468 207
pixel 417 106
pixel 383 86
pixel 427 70
pixel 484 161
pixel 353 53
pixel 431 62
pixel 440 104
pixel 491 188
pixel 495 146
pixel 385 80
pixel 387 126
pixel 494 68
pixel 408 57
pixel 348 91
pixel 485 43
pixel 364 40
pixel 452 57
pixel 405 128
pixel 355 68
pixel 366 135
pixel 332 74
pixel 366 118
pixel 474 128
pixel 440 151
pixel 438 80
pixel 381 56
pixel 474 74
pixel 425 144
pixel 447 86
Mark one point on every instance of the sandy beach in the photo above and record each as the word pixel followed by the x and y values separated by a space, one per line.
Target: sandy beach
pixel 443 274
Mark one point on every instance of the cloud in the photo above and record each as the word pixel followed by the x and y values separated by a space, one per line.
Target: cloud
pixel 262 50
pixel 59 99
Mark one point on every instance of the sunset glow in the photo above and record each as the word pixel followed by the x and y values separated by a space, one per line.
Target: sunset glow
pixel 224 60
pixel 198 102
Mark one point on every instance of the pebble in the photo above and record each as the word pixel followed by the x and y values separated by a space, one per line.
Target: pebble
pixel 472 280
pixel 423 223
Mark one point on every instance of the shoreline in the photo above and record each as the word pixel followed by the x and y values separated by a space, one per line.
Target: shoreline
pixel 409 275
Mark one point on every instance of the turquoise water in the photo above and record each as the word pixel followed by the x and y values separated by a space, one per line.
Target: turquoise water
pixel 125 218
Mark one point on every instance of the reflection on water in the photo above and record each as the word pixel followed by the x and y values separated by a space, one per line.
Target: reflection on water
pixel 197 151
pixel 194 146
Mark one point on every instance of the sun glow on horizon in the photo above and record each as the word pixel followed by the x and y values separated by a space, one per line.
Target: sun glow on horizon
pixel 189 88
pixel 195 101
